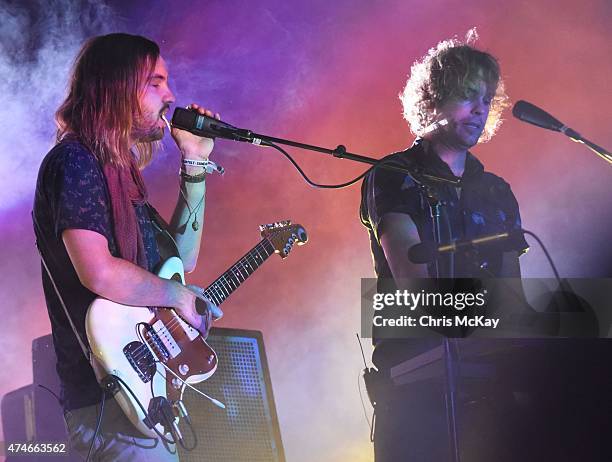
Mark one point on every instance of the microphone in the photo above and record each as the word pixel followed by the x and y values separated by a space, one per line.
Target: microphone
pixel 529 113
pixel 435 126
pixel 202 125
pixel 532 114
pixel 426 252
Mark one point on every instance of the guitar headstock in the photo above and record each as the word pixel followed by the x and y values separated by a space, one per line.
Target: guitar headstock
pixel 283 236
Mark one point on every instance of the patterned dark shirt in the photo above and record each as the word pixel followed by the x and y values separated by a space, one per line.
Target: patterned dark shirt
pixel 485 206
pixel 71 193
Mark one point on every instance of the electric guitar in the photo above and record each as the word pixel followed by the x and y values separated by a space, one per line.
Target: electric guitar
pixel 153 351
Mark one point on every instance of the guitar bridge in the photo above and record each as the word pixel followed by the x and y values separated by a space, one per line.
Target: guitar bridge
pixel 141 360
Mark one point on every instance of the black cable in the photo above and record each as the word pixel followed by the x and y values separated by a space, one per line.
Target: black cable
pixel 188 421
pixel 365 364
pixel 312 183
pixel 180 441
pixel 550 260
pixel 518 297
pixel 145 325
pixel 97 426
pixel 195 437
pixel 50 391
pixel 365 413
pixel 363 406
pixel 378 163
pixel 143 409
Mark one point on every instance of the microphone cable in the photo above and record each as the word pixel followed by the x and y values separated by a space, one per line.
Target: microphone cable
pixel 367 370
pixel 545 250
pixel 317 185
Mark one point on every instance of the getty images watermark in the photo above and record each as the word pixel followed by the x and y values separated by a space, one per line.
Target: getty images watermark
pixel 486 308
pixel 440 302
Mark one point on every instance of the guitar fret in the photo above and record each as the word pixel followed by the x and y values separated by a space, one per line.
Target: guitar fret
pixel 225 289
pixel 229 281
pixel 219 290
pixel 209 296
pixel 268 247
pixel 230 275
pixel 220 293
pixel 241 270
pixel 212 295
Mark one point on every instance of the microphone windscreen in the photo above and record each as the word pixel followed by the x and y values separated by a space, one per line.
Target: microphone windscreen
pixel 202 125
pixel 184 118
pixel 529 113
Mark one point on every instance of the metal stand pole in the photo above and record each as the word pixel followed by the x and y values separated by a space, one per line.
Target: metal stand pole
pixel 450 391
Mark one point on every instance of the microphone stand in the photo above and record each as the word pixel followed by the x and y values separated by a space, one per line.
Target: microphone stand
pixel 450 350
pixel 339 152
pixel 435 205
pixel 576 137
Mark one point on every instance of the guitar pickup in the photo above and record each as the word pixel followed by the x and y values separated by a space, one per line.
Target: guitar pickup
pixel 163 335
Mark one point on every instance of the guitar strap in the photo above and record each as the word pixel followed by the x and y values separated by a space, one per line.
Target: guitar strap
pixel 166 244
pixel 84 348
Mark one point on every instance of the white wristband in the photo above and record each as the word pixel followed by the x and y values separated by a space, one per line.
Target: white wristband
pixel 208 165
pixel 195 163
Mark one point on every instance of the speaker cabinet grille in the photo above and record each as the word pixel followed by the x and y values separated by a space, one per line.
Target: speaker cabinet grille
pixel 247 429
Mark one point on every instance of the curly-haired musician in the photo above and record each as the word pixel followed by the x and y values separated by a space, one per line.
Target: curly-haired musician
pixel 452 100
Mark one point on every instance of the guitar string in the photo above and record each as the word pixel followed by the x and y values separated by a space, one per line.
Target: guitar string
pixel 173 324
pixel 176 321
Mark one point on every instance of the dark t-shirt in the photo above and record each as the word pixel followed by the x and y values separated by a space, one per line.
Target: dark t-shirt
pixel 71 193
pixel 485 206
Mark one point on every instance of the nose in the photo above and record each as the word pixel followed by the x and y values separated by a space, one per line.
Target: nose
pixel 479 106
pixel 169 97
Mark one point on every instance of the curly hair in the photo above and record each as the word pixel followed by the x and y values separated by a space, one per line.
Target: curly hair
pixel 450 71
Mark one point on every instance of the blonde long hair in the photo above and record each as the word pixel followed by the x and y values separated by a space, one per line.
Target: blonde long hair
pixel 103 97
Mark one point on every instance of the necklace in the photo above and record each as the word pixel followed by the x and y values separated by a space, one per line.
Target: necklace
pixel 194 225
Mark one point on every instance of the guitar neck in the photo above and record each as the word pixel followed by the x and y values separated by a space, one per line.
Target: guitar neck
pixel 229 281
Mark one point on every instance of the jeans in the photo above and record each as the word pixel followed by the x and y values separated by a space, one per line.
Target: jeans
pixel 117 440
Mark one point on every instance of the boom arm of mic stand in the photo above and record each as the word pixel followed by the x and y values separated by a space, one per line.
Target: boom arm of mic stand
pixel 601 152
pixel 340 152
pixel 578 138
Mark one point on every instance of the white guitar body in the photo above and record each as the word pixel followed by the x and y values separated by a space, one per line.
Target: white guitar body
pixel 111 327
pixel 141 346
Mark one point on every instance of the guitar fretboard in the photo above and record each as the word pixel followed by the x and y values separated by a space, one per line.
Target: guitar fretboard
pixel 229 281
